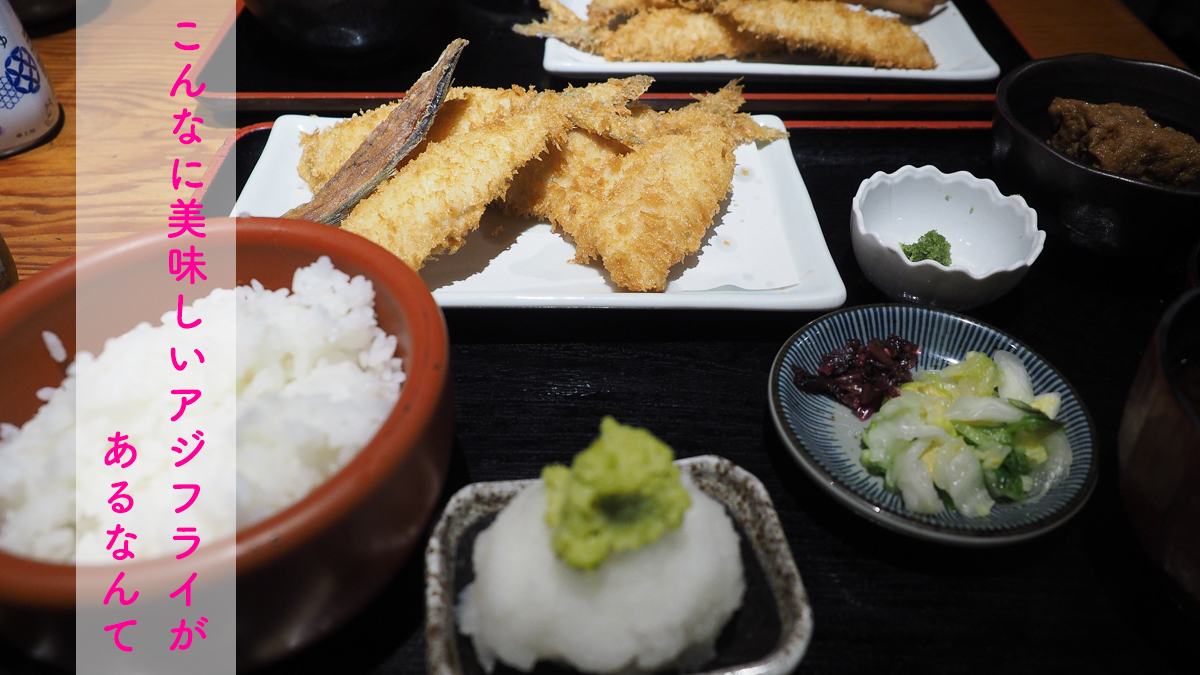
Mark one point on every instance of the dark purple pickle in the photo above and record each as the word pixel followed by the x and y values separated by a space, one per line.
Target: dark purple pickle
pixel 861 377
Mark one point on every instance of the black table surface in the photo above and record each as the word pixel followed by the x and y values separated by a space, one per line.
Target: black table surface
pixel 274 75
pixel 531 386
pixel 498 57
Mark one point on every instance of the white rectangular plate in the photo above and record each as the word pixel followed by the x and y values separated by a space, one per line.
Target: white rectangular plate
pixel 764 251
pixel 954 46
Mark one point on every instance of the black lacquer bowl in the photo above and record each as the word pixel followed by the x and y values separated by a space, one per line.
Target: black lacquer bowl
pixel 1091 209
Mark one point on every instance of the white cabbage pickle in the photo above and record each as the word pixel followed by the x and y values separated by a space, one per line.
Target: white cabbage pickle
pixel 1014 380
pixel 912 479
pixel 967 436
pixel 983 409
pixel 957 472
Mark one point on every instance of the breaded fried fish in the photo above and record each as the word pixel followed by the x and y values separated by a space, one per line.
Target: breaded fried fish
pixel 833 30
pixel 675 34
pixel 465 108
pixel 438 197
pixel 385 146
pixel 693 30
pixel 642 209
pixel 639 211
pixel 720 108
pixel 605 12
pixel 669 34
pixel 918 9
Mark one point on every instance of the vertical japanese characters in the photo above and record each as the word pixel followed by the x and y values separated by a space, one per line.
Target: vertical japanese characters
pixel 185 230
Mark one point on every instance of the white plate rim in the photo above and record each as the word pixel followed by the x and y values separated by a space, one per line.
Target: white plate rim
pixel 820 286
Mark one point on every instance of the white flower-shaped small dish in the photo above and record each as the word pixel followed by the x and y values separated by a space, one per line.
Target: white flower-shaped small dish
pixel 993 239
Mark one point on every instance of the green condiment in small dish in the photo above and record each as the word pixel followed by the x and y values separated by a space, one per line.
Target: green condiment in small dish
pixel 931 246
pixel 621 493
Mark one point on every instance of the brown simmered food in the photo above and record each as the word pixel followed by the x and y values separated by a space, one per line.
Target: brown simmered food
pixel 1122 139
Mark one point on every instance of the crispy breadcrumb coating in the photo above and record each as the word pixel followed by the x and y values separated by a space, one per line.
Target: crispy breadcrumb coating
pixel 434 201
pixel 832 29
pixel 324 151
pixel 670 34
pixel 675 34
pixel 634 188
pixel 640 210
pixel 693 30
pixel 605 12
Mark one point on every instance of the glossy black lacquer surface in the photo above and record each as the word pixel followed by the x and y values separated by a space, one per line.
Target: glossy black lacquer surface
pixel 531 387
pixel 498 57
pixel 342 27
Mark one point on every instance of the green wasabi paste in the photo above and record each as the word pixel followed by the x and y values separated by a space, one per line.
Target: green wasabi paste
pixel 621 493
pixel 931 246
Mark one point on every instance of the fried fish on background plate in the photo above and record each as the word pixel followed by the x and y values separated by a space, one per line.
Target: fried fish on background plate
pixel 675 34
pixel 917 9
pixel 640 208
pixel 604 12
pixel 832 29
pixel 695 30
pixel 667 34
pixel 438 197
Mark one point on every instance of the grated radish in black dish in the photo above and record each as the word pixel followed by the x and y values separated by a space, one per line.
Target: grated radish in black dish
pixel 859 376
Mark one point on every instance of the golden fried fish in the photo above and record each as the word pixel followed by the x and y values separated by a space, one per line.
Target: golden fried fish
pixel 694 30
pixel 438 197
pixel 465 108
pixel 642 209
pixel 831 29
pixel 668 34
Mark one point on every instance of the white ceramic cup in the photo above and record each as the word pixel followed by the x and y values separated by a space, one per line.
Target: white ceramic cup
pixel 28 108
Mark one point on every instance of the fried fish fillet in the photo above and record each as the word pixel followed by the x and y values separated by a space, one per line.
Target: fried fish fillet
pixel 690 30
pixel 642 209
pixel 438 197
pixel 640 212
pixel 918 9
pixel 465 108
pixel 386 146
pixel 720 109
pixel 562 23
pixel 833 30
pixel 670 34
pixel 675 34
pixel 605 12
pixel 324 151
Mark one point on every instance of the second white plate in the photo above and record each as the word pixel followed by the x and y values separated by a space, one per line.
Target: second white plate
pixel 764 251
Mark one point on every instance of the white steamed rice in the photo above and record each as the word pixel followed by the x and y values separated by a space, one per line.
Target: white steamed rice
pixel 315 379
pixel 639 611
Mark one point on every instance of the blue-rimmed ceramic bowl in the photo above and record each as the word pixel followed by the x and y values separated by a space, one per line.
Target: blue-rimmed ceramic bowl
pixel 824 436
